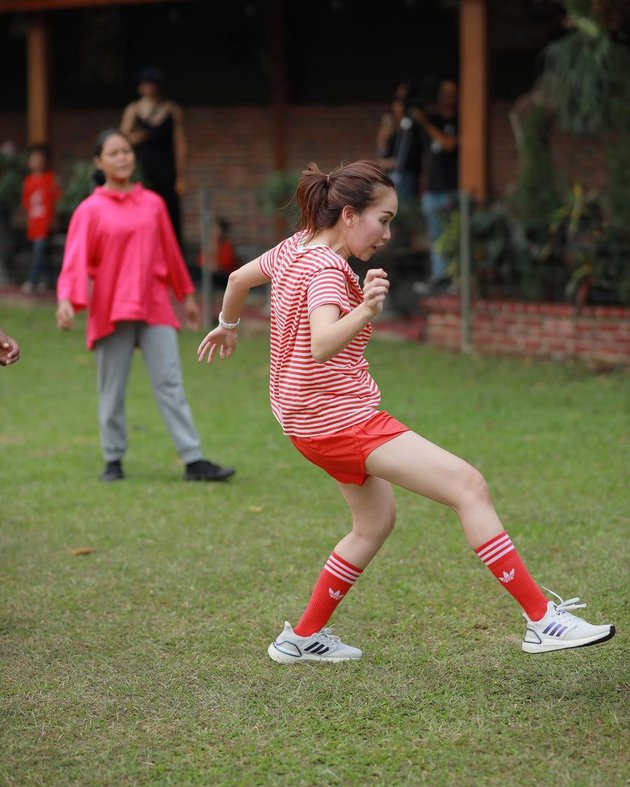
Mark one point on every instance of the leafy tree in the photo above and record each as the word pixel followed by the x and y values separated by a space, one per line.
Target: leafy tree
pixel 585 73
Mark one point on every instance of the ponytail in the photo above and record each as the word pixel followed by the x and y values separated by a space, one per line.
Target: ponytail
pixel 310 195
pixel 321 197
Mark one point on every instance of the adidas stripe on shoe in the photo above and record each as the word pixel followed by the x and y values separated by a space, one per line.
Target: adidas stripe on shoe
pixel 559 629
pixel 289 648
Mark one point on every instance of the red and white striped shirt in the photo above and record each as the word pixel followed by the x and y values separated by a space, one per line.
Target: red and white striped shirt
pixel 310 398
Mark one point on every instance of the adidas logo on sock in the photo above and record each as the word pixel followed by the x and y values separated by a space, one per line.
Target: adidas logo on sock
pixel 336 594
pixel 507 577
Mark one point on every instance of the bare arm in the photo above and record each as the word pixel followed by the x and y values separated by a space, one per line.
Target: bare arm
pixel 192 312
pixel 448 142
pixel 330 334
pixel 386 163
pixel 65 314
pixel 127 120
pixel 240 282
pixel 128 126
pixel 383 134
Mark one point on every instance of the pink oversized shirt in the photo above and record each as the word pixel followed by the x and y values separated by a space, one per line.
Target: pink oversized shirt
pixel 122 261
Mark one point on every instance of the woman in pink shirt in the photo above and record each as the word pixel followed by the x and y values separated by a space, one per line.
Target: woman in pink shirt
pixel 121 262
pixel 324 397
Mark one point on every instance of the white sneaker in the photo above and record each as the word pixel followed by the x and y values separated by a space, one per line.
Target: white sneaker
pixel 560 629
pixel 289 648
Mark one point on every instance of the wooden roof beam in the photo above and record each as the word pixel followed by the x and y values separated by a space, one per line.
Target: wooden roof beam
pixel 26 6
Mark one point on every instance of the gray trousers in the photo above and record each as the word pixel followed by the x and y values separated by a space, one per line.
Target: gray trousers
pixel 114 353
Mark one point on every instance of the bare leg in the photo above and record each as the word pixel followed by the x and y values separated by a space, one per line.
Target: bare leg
pixel 373 508
pixel 373 513
pixel 414 463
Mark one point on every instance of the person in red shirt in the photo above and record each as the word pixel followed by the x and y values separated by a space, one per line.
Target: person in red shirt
pixel 40 194
pixel 223 256
pixel 328 404
pixel 121 262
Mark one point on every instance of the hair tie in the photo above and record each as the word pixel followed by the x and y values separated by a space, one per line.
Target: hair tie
pixel 328 180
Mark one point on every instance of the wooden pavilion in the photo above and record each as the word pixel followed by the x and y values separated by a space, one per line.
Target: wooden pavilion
pixel 473 78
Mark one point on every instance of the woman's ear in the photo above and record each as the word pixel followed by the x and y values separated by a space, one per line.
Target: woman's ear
pixel 348 214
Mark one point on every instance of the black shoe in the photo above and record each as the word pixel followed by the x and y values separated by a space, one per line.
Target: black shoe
pixel 113 471
pixel 203 470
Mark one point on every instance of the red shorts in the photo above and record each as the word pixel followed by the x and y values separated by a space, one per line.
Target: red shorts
pixel 342 454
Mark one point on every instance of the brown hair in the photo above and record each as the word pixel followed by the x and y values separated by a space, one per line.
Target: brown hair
pixel 321 198
pixel 98 176
pixel 102 138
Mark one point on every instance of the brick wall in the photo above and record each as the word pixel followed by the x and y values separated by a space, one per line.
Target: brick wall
pixel 595 334
pixel 231 152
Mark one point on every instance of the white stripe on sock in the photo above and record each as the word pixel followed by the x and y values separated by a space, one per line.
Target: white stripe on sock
pixel 489 556
pixel 341 571
pixel 508 549
pixel 341 566
pixel 488 551
pixel 343 577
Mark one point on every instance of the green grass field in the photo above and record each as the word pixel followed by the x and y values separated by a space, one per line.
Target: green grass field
pixel 144 662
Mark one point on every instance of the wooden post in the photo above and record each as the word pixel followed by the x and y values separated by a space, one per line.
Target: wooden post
pixel 473 101
pixel 37 69
pixel 205 223
pixel 464 271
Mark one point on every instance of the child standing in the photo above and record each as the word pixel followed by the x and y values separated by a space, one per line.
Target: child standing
pixel 223 258
pixel 40 194
pixel 327 402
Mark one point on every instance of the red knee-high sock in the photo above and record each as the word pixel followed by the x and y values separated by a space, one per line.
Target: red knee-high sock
pixel 336 579
pixel 501 557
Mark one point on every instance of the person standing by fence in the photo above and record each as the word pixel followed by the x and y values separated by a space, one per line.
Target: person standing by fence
pixel 441 130
pixel 399 147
